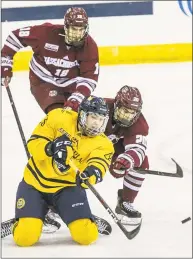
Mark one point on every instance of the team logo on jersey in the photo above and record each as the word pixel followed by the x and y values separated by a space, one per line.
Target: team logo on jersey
pixel 51 47
pixel 53 93
pixel 20 203
pixel 58 62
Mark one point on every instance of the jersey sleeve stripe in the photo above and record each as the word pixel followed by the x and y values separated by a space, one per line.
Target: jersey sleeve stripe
pixel 11 46
pixel 34 137
pixel 98 158
pixel 11 41
pixel 16 40
pixel 91 163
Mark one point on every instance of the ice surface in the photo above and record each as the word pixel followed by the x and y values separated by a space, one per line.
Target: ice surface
pixel 164 201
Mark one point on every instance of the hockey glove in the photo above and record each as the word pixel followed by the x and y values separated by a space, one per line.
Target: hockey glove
pixel 122 165
pixel 6 70
pixel 91 173
pixel 74 101
pixel 61 151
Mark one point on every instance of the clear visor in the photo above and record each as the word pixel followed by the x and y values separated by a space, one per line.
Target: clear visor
pixel 74 34
pixel 95 124
pixel 124 115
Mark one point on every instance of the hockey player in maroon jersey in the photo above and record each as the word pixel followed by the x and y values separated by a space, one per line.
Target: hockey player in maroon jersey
pixel 127 129
pixel 64 68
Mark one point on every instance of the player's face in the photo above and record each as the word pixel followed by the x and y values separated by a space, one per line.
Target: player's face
pixel 75 34
pixel 94 121
pixel 124 115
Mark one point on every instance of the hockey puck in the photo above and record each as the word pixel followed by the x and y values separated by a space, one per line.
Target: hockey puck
pixel 185 220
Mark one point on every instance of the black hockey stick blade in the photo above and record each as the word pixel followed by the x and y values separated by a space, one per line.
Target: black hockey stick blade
pixel 179 171
pixel 178 174
pixel 131 234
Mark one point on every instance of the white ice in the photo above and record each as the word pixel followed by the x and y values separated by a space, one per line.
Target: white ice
pixel 164 201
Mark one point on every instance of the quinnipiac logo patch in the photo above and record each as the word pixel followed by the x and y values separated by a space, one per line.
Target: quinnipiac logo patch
pixel 20 203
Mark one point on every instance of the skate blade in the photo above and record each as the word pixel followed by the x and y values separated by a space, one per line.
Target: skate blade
pixel 49 229
pixel 129 221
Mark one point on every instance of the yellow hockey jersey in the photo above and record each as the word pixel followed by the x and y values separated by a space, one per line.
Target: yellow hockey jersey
pixel 40 171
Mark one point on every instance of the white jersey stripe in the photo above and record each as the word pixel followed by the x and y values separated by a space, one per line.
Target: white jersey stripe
pixel 130 186
pixel 11 41
pixel 136 174
pixel 127 177
pixel 11 46
pixel 16 40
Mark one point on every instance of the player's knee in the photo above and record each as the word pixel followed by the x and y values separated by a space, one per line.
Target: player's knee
pixel 83 231
pixel 27 231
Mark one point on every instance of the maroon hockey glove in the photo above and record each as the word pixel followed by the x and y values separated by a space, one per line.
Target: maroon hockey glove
pixel 6 70
pixel 74 101
pixel 72 105
pixel 122 165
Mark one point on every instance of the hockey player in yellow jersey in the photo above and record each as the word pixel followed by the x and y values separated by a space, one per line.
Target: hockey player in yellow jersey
pixel 61 138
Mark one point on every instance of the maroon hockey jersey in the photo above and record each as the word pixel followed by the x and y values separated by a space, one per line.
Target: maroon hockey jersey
pixel 128 139
pixel 53 61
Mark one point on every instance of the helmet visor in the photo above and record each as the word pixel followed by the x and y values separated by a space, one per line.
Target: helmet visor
pixel 124 115
pixel 75 34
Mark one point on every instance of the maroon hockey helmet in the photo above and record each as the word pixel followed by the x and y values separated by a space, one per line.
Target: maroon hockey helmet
pixel 128 105
pixel 75 26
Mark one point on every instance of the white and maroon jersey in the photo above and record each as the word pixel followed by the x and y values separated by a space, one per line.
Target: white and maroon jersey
pixel 53 61
pixel 130 140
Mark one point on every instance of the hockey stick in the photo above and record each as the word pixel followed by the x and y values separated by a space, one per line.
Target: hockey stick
pixel 17 120
pixel 6 226
pixel 179 171
pixel 129 234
